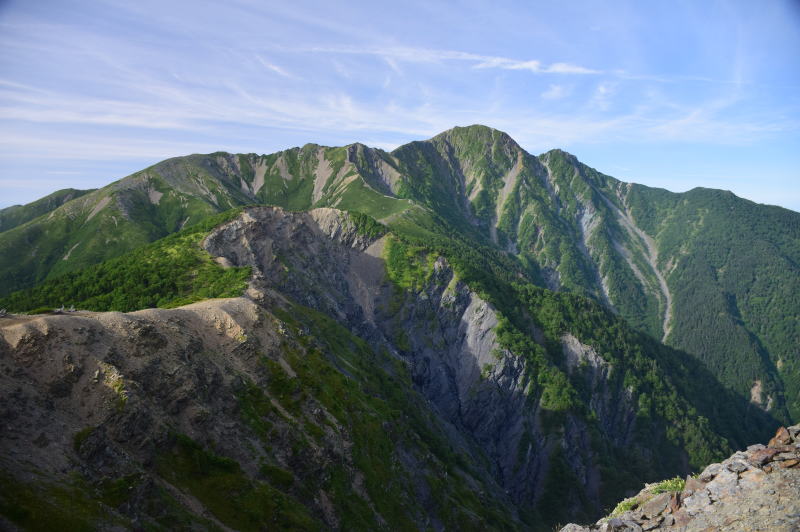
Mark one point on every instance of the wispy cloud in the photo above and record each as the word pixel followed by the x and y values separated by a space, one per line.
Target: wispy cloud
pixel 215 107
pixel 273 68
pixel 393 65
pixel 25 184
pixel 567 68
pixel 701 125
pixel 535 66
pixel 432 55
pixel 601 98
pixel 218 115
pixel 554 92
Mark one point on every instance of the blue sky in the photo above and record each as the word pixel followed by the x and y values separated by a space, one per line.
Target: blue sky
pixel 672 94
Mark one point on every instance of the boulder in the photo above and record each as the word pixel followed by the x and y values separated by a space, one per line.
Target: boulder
pixel 762 456
pixel 656 505
pixel 572 527
pixel 708 473
pixel 750 490
pixel 738 466
pixel 651 524
pixel 724 485
pixel 682 518
pixel 695 503
pixel 695 484
pixel 749 479
pixel 782 437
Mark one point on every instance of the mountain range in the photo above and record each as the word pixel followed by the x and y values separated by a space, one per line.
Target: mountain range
pixel 479 337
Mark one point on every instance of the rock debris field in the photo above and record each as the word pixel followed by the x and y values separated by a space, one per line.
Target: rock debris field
pixel 756 489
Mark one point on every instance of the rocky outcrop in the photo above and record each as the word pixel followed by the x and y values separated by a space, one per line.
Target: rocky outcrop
pixel 106 394
pixel 444 331
pixel 755 489
pixel 614 407
pixel 486 394
pixel 96 402
pixel 285 398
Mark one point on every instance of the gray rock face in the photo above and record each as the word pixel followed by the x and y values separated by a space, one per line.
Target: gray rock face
pixel 446 335
pixel 136 380
pixel 656 505
pixel 710 472
pixel 613 406
pixel 696 502
pixel 724 485
pixel 106 392
pixel 755 489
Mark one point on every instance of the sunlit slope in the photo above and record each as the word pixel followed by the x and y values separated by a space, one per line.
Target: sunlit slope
pixel 170 195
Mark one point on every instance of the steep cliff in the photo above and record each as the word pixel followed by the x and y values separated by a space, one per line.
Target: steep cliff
pixel 224 415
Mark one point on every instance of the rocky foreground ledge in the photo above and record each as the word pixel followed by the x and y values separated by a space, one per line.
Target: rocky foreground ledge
pixel 756 489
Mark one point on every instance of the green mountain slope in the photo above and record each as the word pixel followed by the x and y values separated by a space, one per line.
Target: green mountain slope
pixel 162 199
pixel 10 217
pixel 734 269
pixel 703 271
pixel 170 272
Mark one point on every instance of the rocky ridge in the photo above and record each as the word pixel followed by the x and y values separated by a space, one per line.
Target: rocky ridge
pixel 752 490
pixel 316 429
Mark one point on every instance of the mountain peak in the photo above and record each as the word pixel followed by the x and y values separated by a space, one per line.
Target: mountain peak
pixel 557 152
pixel 475 132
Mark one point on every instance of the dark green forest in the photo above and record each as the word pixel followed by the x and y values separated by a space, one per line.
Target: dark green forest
pixel 168 273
